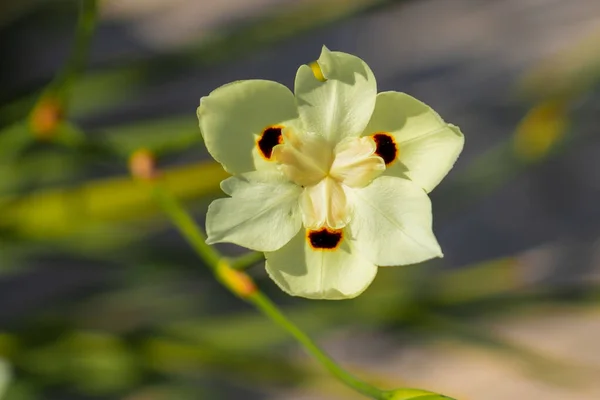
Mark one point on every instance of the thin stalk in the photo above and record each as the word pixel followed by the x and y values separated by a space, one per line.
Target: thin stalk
pixel 86 25
pixel 187 226
pixel 48 115
pixel 247 260
pixel 196 238
pixel 268 308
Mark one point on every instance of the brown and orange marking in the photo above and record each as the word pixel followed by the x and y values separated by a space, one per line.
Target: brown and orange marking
pixel 324 239
pixel 387 148
pixel 270 137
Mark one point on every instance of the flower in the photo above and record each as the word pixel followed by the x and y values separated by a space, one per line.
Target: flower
pixel 330 182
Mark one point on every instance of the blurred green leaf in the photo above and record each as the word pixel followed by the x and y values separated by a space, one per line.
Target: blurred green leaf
pixel 161 136
pixel 541 130
pixel 5 376
pixel 22 390
pixel 57 212
pixel 99 363
pixel 13 140
pixel 415 394
pixel 128 79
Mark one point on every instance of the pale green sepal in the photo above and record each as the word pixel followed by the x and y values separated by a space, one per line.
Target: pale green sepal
pixel 262 213
pixel 234 115
pixel 392 222
pixel 302 271
pixel 428 147
pixel 342 104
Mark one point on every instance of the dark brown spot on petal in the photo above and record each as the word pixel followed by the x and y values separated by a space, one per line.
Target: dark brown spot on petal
pixel 386 147
pixel 269 138
pixel 324 239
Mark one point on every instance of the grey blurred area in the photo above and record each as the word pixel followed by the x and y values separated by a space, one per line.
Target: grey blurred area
pixel 465 58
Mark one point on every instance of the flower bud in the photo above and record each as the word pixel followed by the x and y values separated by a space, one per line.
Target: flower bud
pixel 46 117
pixel 238 282
pixel 142 165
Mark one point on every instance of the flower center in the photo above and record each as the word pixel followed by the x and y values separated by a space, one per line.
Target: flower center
pixel 326 172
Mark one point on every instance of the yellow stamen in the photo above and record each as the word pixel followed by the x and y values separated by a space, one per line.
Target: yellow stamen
pixel 317 72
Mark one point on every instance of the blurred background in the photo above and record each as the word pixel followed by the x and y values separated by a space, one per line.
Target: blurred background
pixel 100 298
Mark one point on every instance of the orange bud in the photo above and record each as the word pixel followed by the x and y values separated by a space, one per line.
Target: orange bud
pixel 45 117
pixel 238 282
pixel 142 165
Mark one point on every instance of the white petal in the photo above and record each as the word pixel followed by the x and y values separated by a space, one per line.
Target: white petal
pixel 324 204
pixel 300 270
pixel 355 163
pixel 392 222
pixel 340 106
pixel 262 214
pixel 428 147
pixel 232 117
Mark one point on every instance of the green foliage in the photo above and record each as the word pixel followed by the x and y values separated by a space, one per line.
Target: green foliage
pixel 156 325
pixel 415 394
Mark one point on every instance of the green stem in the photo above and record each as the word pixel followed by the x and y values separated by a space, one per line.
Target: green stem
pixel 267 307
pixel 47 117
pixel 196 238
pixel 187 226
pixel 86 25
pixel 247 260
